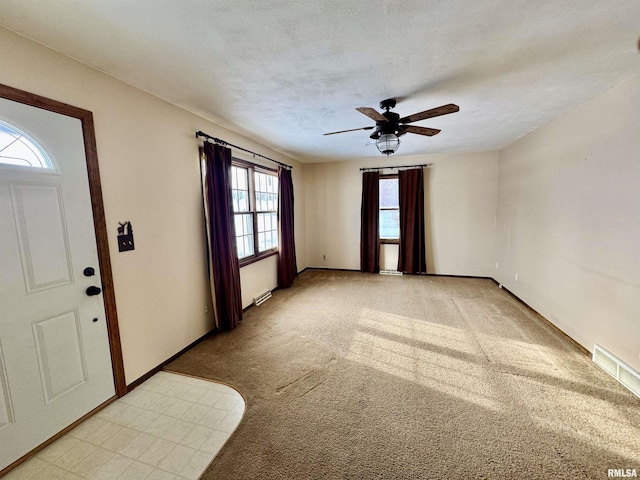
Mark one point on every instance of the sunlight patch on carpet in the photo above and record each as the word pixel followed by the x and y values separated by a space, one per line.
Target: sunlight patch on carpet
pixel 410 357
pixel 437 333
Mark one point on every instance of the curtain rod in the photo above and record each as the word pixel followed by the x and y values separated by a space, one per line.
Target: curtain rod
pixel 222 142
pixel 400 166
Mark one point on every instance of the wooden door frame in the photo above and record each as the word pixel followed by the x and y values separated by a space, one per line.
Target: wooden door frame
pixel 99 221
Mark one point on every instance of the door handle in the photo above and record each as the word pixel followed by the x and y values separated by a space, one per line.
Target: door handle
pixel 92 291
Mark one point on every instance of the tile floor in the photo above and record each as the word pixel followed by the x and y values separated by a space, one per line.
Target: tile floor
pixel 169 428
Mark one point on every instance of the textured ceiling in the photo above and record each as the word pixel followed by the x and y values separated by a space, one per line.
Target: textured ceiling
pixel 285 72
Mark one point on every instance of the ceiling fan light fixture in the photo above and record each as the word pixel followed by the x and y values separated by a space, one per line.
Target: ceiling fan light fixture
pixel 388 143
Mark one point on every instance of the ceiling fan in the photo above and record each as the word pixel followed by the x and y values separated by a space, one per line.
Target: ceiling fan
pixel 389 126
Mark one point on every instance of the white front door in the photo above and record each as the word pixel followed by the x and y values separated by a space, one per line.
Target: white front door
pixel 55 361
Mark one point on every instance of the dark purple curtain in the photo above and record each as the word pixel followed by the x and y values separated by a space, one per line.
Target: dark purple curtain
pixel 412 252
pixel 287 265
pixel 223 256
pixel 369 223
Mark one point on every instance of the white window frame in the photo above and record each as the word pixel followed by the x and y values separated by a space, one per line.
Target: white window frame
pixel 256 212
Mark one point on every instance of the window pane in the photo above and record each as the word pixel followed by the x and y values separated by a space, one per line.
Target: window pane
pixel 268 231
pixel 248 245
pixel 234 177
pixel 243 204
pixel 238 225
pixel 234 200
pixel 390 224
pixel 248 224
pixel 243 224
pixel 266 194
pixel 17 148
pixel 261 222
pixel 240 190
pixel 389 193
pixel 242 178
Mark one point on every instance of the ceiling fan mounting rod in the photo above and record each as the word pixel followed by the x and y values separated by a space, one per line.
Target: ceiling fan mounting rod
pixel 388 104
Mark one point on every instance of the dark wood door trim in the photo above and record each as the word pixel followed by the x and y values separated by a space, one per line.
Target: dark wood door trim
pixel 100 225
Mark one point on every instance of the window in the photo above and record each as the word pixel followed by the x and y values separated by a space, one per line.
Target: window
pixel 242 211
pixel 389 210
pixel 18 149
pixel 266 187
pixel 255 206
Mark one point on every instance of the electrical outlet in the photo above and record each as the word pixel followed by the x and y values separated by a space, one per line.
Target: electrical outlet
pixel 206 309
pixel 516 276
pixel 497 265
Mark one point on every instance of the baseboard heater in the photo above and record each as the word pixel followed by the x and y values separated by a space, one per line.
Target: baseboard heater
pixel 390 272
pixel 263 297
pixel 619 370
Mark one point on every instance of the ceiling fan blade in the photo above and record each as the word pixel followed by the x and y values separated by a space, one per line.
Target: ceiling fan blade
pixel 372 113
pixel 350 130
pixel 428 132
pixel 434 112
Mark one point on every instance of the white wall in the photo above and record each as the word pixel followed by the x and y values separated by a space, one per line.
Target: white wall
pixel 258 277
pixel 150 176
pixel 460 198
pixel 569 221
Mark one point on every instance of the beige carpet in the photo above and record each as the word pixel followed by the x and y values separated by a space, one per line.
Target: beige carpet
pixel 359 376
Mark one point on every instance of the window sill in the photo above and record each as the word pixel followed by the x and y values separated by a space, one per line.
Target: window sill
pixel 390 241
pixel 256 258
